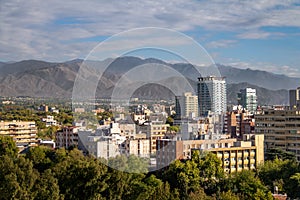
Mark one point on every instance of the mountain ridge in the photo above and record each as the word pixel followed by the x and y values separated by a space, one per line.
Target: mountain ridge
pixel 47 79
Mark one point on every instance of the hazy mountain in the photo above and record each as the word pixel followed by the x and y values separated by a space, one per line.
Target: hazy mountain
pixel 44 79
pixel 260 78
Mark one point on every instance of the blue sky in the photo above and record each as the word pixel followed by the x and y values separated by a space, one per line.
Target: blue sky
pixel 261 35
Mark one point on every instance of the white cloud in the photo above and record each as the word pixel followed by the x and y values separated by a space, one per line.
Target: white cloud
pixel 276 69
pixel 254 35
pixel 40 29
pixel 221 43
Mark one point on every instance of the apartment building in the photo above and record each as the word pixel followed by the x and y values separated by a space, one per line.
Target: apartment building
pixel 235 155
pixel 170 149
pixel 24 133
pixel 239 122
pixel 67 137
pixel 281 129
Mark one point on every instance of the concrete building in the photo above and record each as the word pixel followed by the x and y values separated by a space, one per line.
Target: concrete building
pixel 67 137
pixel 139 147
pixel 248 99
pixel 211 95
pixel 235 155
pixel 281 129
pixel 294 97
pixel 24 133
pixel 128 130
pixel 186 105
pixel 239 122
pixel 49 121
pixel 158 130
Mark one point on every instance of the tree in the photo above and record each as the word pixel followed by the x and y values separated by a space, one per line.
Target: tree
pixel 278 173
pixel 272 154
pixel 8 146
pixel 46 187
pixel 247 186
pixel 40 157
pixel 17 178
pixel 81 177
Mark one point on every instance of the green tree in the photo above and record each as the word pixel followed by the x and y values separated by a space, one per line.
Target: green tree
pixel 17 178
pixel 272 154
pixel 8 146
pixel 80 177
pixel 247 186
pixel 40 157
pixel 46 187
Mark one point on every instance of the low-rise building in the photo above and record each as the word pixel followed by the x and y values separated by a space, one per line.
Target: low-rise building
pixel 49 121
pixel 24 133
pixel 67 137
pixel 235 155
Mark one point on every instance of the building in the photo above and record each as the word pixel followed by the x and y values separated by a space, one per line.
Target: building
pixel 294 97
pixel 239 122
pixel 158 130
pixel 186 105
pixel 211 95
pixel 67 137
pixel 49 121
pixel 235 155
pixel 248 99
pixel 281 129
pixel 23 133
pixel 243 155
pixel 139 147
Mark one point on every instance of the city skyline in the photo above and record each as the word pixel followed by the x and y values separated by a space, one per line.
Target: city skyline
pixel 258 35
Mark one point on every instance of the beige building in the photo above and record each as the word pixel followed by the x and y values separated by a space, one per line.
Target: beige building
pixel 235 155
pixel 23 133
pixel 157 131
pixel 242 155
pixel 281 129
pixel 138 147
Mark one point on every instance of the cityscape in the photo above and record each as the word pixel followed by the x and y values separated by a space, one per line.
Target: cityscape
pixel 160 100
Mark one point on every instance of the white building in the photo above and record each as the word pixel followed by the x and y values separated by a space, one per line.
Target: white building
pixel 248 99
pixel 186 105
pixel 211 95
pixel 49 120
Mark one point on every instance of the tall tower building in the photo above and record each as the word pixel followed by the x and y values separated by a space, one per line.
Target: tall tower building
pixel 186 105
pixel 211 95
pixel 294 96
pixel 248 99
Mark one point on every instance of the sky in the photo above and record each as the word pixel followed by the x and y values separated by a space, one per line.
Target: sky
pixel 256 34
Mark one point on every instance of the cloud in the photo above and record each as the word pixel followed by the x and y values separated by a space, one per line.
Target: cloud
pixel 254 35
pixel 50 30
pixel 221 43
pixel 276 69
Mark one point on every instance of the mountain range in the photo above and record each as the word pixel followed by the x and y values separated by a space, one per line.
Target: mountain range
pixel 48 79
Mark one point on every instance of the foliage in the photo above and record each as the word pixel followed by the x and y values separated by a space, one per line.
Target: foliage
pixel 278 173
pixel 8 146
pixel 44 173
pixel 272 154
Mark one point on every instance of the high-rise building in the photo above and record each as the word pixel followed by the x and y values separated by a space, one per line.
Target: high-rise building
pixel 186 105
pixel 211 95
pixel 248 99
pixel 294 96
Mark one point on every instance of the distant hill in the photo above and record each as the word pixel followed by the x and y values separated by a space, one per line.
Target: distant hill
pixel 260 78
pixel 44 79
